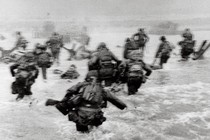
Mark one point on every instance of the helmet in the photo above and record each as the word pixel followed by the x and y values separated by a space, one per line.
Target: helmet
pixel 74 66
pixel 127 40
pixel 101 45
pixel 141 29
pixel 18 33
pixel 163 38
pixel 92 73
pixel 54 33
pixel 42 47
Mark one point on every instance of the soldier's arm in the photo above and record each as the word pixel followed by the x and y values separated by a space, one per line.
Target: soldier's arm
pixel 36 72
pixel 114 100
pixel 93 60
pixel 12 68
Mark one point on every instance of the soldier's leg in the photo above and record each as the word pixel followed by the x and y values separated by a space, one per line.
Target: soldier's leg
pixel 44 72
pixel 14 88
pixel 21 92
pixel 82 128
pixel 58 57
pixel 131 86
pixel 138 83
pixel 28 90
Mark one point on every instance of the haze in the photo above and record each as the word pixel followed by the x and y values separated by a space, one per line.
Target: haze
pixel 91 8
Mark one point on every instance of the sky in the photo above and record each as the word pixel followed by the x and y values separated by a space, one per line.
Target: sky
pixel 92 8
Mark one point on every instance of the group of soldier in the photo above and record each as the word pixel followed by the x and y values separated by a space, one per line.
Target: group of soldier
pixel 84 101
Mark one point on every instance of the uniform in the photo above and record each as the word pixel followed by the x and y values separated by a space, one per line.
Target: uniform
pixel 44 59
pixel 83 103
pixel 141 38
pixel 25 73
pixel 187 45
pixel 71 73
pixel 21 42
pixel 134 72
pixel 55 42
pixel 163 51
pixel 129 46
pixel 187 48
pixel 104 61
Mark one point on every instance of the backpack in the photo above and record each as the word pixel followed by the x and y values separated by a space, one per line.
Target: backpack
pixel 136 55
pixel 135 69
pixel 106 69
pixel 104 57
pixel 44 60
pixel 92 94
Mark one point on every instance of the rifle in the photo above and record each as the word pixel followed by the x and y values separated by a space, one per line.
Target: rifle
pixel 51 102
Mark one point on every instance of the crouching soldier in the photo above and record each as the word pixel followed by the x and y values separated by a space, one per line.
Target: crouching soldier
pixel 83 103
pixel 25 72
pixel 133 70
pixel 71 73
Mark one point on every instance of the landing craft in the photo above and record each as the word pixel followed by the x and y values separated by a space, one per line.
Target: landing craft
pixel 201 51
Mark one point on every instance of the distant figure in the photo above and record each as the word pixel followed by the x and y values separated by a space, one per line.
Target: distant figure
pixel 107 64
pixel 25 71
pixel 141 38
pixel 71 73
pixel 83 103
pixel 164 51
pixel 187 45
pixel 187 34
pixel 55 43
pixel 21 41
pixel 44 59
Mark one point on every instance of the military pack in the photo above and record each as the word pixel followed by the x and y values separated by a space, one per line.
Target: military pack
pixel 135 69
pixel 44 60
pixel 92 93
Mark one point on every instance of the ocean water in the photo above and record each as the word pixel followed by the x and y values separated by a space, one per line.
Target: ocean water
pixel 172 105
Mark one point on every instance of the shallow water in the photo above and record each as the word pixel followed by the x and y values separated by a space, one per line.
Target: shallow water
pixel 172 105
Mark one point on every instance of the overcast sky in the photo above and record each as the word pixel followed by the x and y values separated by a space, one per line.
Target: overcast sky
pixel 91 8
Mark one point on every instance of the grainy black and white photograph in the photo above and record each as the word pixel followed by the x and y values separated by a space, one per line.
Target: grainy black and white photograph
pixel 104 70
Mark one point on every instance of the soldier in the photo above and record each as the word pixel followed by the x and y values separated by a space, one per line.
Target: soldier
pixel 25 71
pixel 71 73
pixel 187 45
pixel 105 59
pixel 141 38
pixel 133 71
pixel 83 103
pixel 130 45
pixel 164 51
pixel 43 58
pixel 21 41
pixel 55 43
